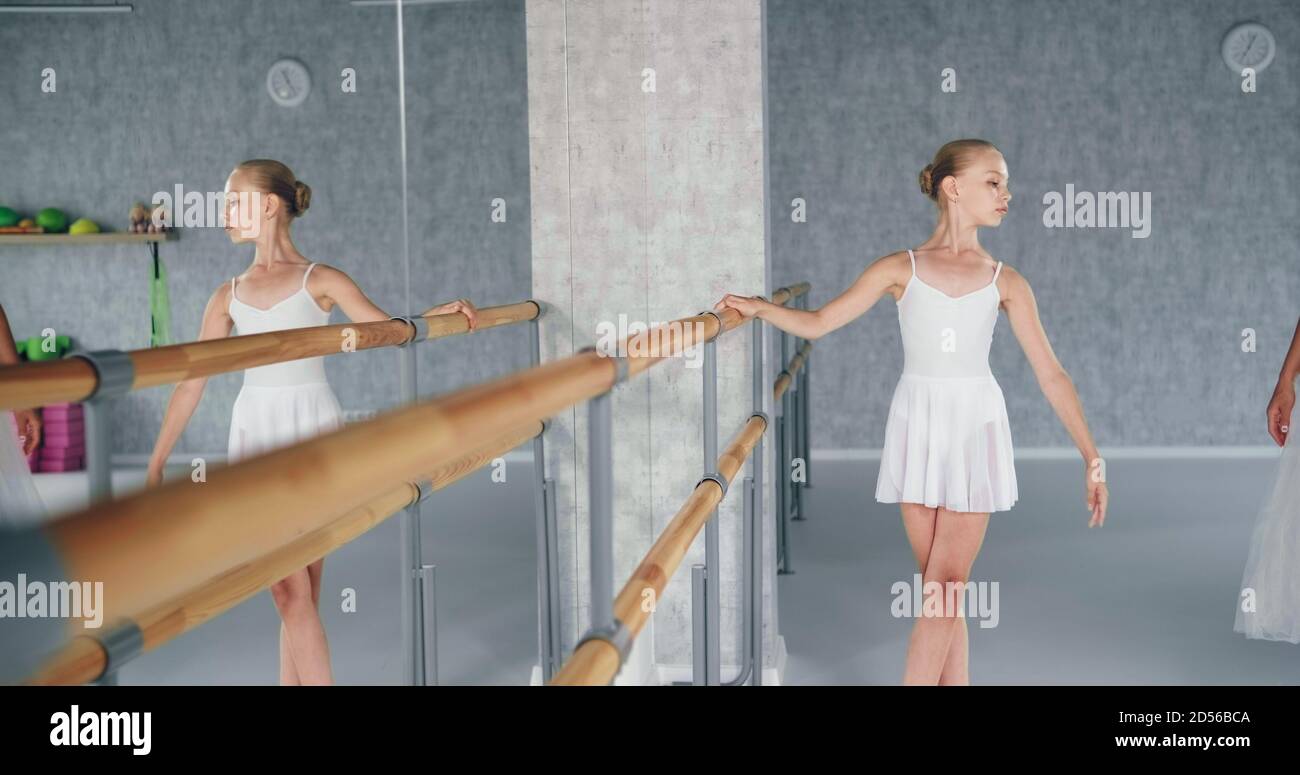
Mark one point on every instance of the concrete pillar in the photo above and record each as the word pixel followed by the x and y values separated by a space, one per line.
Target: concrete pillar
pixel 647 180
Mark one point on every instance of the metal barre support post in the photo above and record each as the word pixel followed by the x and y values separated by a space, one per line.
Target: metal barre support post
pixel 795 427
pixel 805 401
pixel 114 374
pixel 785 460
pixel 419 329
pixel 759 353
pixel 600 451
pixel 706 638
pixel 411 567
pixel 548 631
pixel 600 446
pixel 428 578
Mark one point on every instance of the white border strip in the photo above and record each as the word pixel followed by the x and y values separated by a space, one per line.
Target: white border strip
pixel 139 460
pixel 1022 453
pixel 1109 453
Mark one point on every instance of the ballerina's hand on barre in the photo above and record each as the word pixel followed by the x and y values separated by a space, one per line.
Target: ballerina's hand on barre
pixel 805 324
pixel 459 305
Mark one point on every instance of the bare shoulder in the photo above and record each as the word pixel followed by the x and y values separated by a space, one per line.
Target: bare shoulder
pixel 1012 285
pixel 216 316
pixel 896 266
pixel 222 295
pixel 895 270
pixel 325 270
pixel 325 276
pixel 897 259
pixel 1012 275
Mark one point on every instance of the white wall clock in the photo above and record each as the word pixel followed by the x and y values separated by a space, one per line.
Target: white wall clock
pixel 1249 44
pixel 288 82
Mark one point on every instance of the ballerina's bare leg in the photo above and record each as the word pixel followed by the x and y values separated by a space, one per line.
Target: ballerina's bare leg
pixel 297 598
pixel 945 544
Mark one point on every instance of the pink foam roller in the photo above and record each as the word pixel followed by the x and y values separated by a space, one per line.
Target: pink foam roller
pixel 60 465
pixel 66 426
pixel 57 453
pixel 63 438
pixel 62 412
pixel 77 446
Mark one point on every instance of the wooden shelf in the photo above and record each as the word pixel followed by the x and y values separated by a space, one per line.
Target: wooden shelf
pixel 102 238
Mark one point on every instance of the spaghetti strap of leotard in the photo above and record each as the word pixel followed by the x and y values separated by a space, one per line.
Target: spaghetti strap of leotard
pixel 913 257
pixel 997 272
pixel 304 274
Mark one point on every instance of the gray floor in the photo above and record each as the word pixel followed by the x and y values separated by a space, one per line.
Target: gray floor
pixel 1148 599
pixel 480 535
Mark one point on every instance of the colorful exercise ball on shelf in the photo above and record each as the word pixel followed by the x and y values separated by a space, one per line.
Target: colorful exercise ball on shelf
pixel 83 226
pixel 8 217
pixel 52 219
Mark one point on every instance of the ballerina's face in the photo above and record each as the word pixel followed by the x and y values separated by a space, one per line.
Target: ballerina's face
pixel 249 211
pixel 984 195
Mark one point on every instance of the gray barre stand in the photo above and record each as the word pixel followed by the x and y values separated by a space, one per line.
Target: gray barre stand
pixel 752 665
pixel 706 579
pixel 706 650
pixel 600 451
pixel 782 460
pixel 412 571
pixel 549 648
pixel 114 373
pixel 805 400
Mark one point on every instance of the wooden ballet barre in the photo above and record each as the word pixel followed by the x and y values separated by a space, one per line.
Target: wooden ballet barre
pixel 74 379
pixel 154 545
pixel 595 662
pixel 782 383
pixel 86 657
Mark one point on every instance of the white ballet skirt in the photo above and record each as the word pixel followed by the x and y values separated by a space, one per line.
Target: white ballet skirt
pixel 1273 563
pixel 947 437
pixel 20 503
pixel 281 403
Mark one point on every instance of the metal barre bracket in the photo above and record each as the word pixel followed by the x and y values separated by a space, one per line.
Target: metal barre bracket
pixel 114 372
pixel 767 421
pixel 121 644
pixel 715 317
pixel 419 329
pixel 541 307
pixel 620 363
pixel 617 636
pixel 425 489
pixel 717 478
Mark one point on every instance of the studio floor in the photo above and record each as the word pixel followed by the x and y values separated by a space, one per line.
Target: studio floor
pixel 1147 599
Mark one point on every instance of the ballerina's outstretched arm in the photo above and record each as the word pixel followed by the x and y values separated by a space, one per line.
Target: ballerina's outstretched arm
pixel 338 288
pixel 884 275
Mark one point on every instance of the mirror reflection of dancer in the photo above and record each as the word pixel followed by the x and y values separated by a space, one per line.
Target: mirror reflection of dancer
pixel 280 403
pixel 20 433
pixel 1269 606
pixel 947 458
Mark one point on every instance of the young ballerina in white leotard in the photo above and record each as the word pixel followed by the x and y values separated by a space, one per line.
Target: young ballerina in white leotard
pixel 281 403
pixel 947 458
pixel 1269 606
